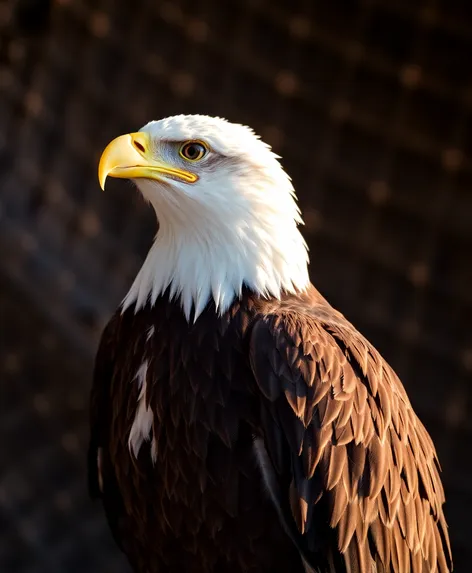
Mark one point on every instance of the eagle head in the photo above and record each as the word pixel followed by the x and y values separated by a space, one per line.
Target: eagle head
pixel 226 209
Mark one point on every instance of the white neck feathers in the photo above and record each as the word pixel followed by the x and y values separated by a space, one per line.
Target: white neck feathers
pixel 206 260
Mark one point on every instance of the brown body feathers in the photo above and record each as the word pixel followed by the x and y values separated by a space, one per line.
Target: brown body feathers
pixel 280 441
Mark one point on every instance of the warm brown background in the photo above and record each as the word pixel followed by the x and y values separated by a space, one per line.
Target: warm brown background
pixel 368 102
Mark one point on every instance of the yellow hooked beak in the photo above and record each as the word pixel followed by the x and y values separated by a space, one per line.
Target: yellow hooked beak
pixel 130 157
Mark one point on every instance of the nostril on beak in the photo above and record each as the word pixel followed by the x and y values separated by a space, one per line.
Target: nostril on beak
pixel 139 146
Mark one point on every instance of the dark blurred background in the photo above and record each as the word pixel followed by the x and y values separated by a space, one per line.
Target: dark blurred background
pixel 369 103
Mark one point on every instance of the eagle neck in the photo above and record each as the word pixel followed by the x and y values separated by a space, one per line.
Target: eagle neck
pixel 199 263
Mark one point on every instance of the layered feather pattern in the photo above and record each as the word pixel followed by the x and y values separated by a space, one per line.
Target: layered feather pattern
pixel 360 457
pixel 344 477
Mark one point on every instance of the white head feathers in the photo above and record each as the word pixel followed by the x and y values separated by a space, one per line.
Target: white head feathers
pixel 236 225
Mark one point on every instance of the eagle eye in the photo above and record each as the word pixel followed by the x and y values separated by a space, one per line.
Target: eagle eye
pixel 193 151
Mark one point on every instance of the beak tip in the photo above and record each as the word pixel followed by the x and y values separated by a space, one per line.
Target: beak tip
pixel 102 176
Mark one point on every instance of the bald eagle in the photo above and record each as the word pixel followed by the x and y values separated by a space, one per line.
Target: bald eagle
pixel 239 423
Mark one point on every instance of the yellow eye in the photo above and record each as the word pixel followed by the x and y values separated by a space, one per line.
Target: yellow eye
pixel 193 151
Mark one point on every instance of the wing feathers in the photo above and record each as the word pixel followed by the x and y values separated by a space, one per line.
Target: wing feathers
pixel 360 459
pixel 347 526
pixel 337 463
